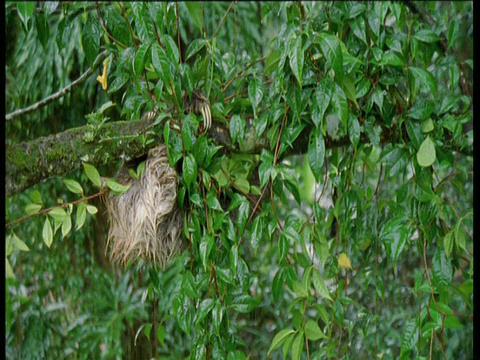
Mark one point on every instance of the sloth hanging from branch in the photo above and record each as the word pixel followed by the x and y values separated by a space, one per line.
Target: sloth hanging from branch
pixel 145 221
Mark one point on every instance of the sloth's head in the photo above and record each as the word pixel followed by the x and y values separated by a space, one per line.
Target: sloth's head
pixel 145 222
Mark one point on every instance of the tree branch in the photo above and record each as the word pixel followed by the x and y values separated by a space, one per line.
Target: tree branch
pixel 30 162
pixel 59 93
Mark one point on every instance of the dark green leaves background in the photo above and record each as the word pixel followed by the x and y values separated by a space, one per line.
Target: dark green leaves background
pixel 344 129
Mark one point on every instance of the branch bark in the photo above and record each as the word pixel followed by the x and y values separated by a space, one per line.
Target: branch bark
pixel 30 162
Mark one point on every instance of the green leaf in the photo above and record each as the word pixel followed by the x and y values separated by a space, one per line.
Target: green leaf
pixel 117 26
pixel 92 209
pixel 390 58
pixel 297 346
pixel 171 49
pixel 190 171
pixel 205 248
pixel 194 47
pixel 43 29
pixel 25 11
pixel 187 134
pixel 363 87
pixel 427 36
pixel 8 245
pixel 73 186
pixel 91 39
pixel 66 226
pixel 19 244
pixel 160 63
pixel 279 339
pixel 217 316
pixel 448 243
pixel 203 310
pixel 32 208
pixel 160 333
pixel 359 30
pixel 420 79
pixel 243 214
pixel 271 63
pixel 195 14
pixel 441 270
pixel 36 197
pixel 255 93
pixel 414 132
pixel 81 216
pixel 460 237
pixel 296 57
pixel 356 9
pixel 409 336
pixel 47 232
pixel 92 174
pixel 256 233
pixel 426 154
pixel 397 240
pixel 212 201
pixel 321 100
pixel 237 128
pixel 422 109
pixel 332 51
pixel 244 304
pixel 287 345
pixel 339 105
pixel 58 214
pixel 353 130
pixel 299 289
pixel 427 126
pixel 8 269
pixel 139 61
pixel 189 286
pixel 144 19
pixel 266 170
pixel 116 187
pixel 319 285
pixel 316 154
pixel 313 331
pixel 451 322
pixel 242 184
pixel 349 88
pixel 199 151
pixel 453 33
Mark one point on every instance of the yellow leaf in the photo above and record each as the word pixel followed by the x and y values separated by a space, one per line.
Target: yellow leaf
pixel 344 261
pixel 102 79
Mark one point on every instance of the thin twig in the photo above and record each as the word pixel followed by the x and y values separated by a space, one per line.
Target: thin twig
pixel 224 17
pixel 240 73
pixel 64 205
pixel 60 93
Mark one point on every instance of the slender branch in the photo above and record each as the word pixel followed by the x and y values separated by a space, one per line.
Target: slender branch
pixel 102 24
pixel 62 206
pixel 223 19
pixel 240 73
pixel 59 93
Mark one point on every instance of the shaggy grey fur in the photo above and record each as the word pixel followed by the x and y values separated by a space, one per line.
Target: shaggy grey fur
pixel 145 222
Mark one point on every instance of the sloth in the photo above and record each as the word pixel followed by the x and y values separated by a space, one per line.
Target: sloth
pixel 198 104
pixel 145 221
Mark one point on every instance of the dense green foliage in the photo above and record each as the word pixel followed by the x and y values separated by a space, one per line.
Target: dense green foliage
pixel 348 234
